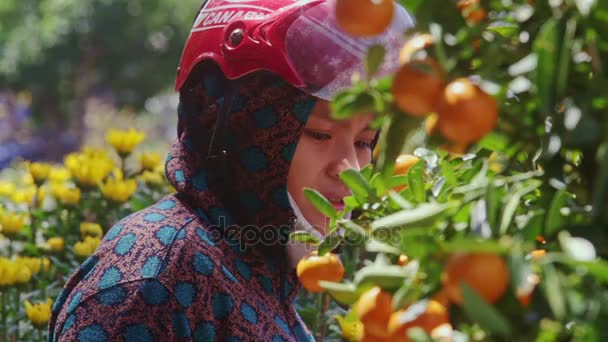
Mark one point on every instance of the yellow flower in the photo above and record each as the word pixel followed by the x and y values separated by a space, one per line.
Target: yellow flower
pixel 352 329
pixel 67 196
pixel 151 178
pixel 59 174
pixel 84 249
pixel 8 272
pixel 90 229
pixel 124 142
pixel 23 276
pixel 34 264
pixel 27 179
pixel 39 171
pixel 56 244
pixel 89 168
pixel 12 223
pixel 39 313
pixel 149 161
pixel 7 188
pixel 118 191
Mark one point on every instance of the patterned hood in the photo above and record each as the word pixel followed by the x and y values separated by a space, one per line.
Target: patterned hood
pixel 243 195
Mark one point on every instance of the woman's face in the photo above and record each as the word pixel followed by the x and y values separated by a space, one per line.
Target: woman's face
pixel 326 148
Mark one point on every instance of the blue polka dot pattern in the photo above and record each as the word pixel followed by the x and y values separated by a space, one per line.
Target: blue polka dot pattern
pixel 220 217
pixel 125 244
pixel 233 339
pixel 110 278
pixel 200 181
pixel 204 235
pixel 112 296
pixel 204 332
pixel 181 325
pixel 302 109
pixel 201 214
pixel 279 196
pixel 169 157
pixel 250 200
pixel 249 313
pixel 137 333
pixel 60 300
pixel 253 159
pixel 223 305
pixel 288 152
pixel 154 293
pixel 185 293
pixel 265 118
pixel 74 302
pixel 166 205
pixel 277 338
pixel 302 334
pixel 92 333
pixel 154 217
pixel 287 287
pixel 114 232
pixel 282 324
pixel 151 267
pixel 229 274
pixel 266 284
pixel 69 322
pixel 243 269
pixel 202 264
pixel 179 176
pixel 89 265
pixel 181 234
pixel 166 234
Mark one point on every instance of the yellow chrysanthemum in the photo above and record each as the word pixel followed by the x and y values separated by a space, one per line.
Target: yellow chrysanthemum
pixel 84 249
pixel 90 229
pixel 8 272
pixel 59 174
pixel 124 142
pixel 34 264
pixel 27 179
pixel 40 313
pixel 12 223
pixel 89 168
pixel 118 191
pixel 56 244
pixel 7 188
pixel 23 276
pixel 151 178
pixel 149 161
pixel 39 171
pixel 67 195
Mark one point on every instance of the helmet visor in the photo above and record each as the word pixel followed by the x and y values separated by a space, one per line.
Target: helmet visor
pixel 325 57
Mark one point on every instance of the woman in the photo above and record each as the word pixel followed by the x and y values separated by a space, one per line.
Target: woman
pixel 211 262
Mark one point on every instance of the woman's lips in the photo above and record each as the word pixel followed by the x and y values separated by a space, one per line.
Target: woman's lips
pixel 339 205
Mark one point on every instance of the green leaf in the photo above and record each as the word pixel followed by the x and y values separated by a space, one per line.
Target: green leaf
pixel 421 215
pixel 553 291
pixel 304 237
pixel 417 334
pixel 320 202
pixel 374 58
pixel 547 48
pixel 553 219
pixel 387 277
pixel 392 138
pixel 416 182
pixel 356 182
pixel 598 269
pixel 329 244
pixel 351 227
pixel 513 203
pixel 376 246
pixel 349 103
pixel 473 246
pixel 342 293
pixel 565 57
pixel 481 312
pixel 506 30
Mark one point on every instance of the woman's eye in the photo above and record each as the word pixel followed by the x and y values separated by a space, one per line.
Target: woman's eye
pixel 317 135
pixel 363 145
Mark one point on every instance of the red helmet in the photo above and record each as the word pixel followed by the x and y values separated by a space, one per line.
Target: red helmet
pixel 300 41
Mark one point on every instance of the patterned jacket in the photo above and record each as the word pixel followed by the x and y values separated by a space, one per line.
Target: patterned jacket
pixel 183 269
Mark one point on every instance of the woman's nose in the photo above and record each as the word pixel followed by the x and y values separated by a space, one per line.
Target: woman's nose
pixel 343 163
